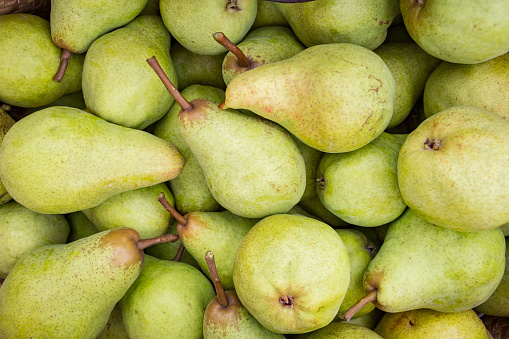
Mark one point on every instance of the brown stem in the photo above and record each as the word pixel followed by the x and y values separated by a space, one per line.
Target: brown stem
pixel 211 264
pixel 178 256
pixel 226 43
pixel 64 61
pixel 144 243
pixel 162 199
pixel 186 106
pixel 370 297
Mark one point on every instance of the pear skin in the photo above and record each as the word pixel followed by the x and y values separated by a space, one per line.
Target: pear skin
pixel 343 331
pixel 6 122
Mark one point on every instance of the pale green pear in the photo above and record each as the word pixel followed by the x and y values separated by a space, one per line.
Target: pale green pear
pixel 340 177
pixel 361 23
pixel 80 226
pixel 75 24
pixel 299 210
pixel 268 15
pixel 262 46
pixel 190 188
pixel 114 328
pixel 138 209
pixel 337 111
pixel 151 8
pixel 61 160
pixel 410 66
pixel 192 22
pixel 29 60
pixel 428 324
pixel 6 123
pixel 312 159
pixel 452 169
pixel 118 84
pixel 343 331
pixel 314 206
pixel 292 273
pixel 74 99
pixel 484 85
pixel 252 166
pixel 167 300
pixel 457 31
pixel 23 230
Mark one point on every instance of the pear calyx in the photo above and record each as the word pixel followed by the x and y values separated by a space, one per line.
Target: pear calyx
pixel 211 264
pixel 230 46
pixel 419 2
pixel 432 144
pixel 64 61
pixel 370 297
pixel 287 301
pixel 232 6
pixel 320 183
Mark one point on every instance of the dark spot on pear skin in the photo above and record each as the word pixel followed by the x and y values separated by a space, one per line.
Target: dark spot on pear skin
pixel 321 183
pixel 432 144
pixel 287 301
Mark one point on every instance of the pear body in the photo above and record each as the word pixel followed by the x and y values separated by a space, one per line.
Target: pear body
pixel 369 320
pixel 74 99
pixel 262 173
pixel 343 331
pixel 29 60
pixel 167 300
pixel 452 169
pixel 96 160
pixel 69 291
pixel 268 15
pixel 334 97
pixel 114 328
pixel 75 24
pixel 314 206
pixel 80 226
pixel 279 266
pixel 421 265
pixel 6 123
pixel 312 158
pixel 118 84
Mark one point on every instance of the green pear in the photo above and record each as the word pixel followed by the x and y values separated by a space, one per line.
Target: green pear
pixel 457 31
pixel 299 210
pixel 23 230
pixel 484 85
pixel 118 85
pixel 428 324
pixel 193 22
pixel 61 160
pixel 28 61
pixel 333 112
pixel 312 159
pixel 197 69
pixel 74 99
pixel 410 66
pixel 505 228
pixel 190 188
pixel 498 303
pixel 343 331
pixel 314 206
pixel 6 122
pixel 167 300
pixel 151 8
pixel 268 15
pixel 76 24
pixel 69 290
pixel 369 320
pixel 137 209
pixel 262 46
pixel 452 172
pixel 291 273
pixel 114 328
pixel 339 176
pixel 361 23
pixel 80 226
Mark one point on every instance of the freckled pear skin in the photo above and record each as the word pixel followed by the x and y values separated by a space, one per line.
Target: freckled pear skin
pixel 61 160
pixel 335 97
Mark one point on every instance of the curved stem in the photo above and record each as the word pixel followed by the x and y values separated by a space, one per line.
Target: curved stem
pixel 186 106
pixel 178 256
pixel 211 264
pixel 144 243
pixel 64 61
pixel 230 46
pixel 370 297
pixel 162 199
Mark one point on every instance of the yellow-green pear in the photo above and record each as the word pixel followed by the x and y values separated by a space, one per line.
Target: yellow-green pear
pixel 343 331
pixel 80 226
pixel 6 123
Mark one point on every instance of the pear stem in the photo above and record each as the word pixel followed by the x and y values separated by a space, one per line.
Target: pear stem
pixel 211 264
pixel 230 46
pixel 64 61
pixel 183 103
pixel 178 256
pixel 144 243
pixel 162 199
pixel 370 297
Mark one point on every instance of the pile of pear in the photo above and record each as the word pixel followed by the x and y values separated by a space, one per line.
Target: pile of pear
pixel 254 169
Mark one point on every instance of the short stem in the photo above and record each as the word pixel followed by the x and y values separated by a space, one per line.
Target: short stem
pixel 64 61
pixel 144 243
pixel 211 264
pixel 186 106
pixel 230 46
pixel 370 297
pixel 162 199
pixel 178 256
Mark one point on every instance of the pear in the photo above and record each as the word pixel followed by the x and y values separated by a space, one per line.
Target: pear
pixel 314 206
pixel 291 273
pixel 23 230
pixel 361 23
pixel 114 328
pixel 74 99
pixel 452 172
pixel 167 300
pixel 80 226
pixel 428 324
pixel 343 331
pixel 268 15
pixel 332 111
pixel 61 160
pixel 6 122
pixel 28 61
pixel 193 22
pixel 369 320
pixel 457 31
pixel 338 177
pixel 69 291
pixel 151 8
pixel 312 159
pixel 484 85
